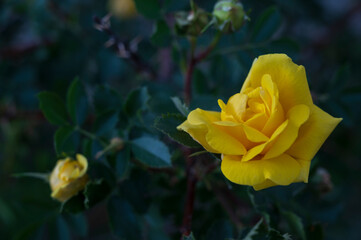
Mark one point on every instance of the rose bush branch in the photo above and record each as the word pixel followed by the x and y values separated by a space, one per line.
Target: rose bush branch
pixel 193 61
pixel 190 197
pixel 124 49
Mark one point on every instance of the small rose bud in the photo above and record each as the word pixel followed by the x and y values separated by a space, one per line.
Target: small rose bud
pixel 68 177
pixel 117 143
pixel 229 15
pixel 191 23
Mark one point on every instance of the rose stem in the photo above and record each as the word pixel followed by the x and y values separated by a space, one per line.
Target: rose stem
pixel 190 197
pixel 193 61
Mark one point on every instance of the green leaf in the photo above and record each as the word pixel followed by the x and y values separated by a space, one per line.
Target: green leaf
pixel 295 223
pixel 77 223
pixel 161 34
pixel 95 191
pixel 136 190
pixel 102 170
pixel 122 161
pixel 66 140
pixel 155 224
pixel 27 231
pixel 106 122
pixel 7 214
pixel 168 125
pixel 119 161
pixel 151 152
pixel 105 99
pixel 91 147
pixel 252 199
pixel 73 205
pixel 42 176
pixel 76 102
pixel 148 8
pixel 254 231
pixel 62 229
pixel 266 25
pixel 273 234
pixel 53 108
pixel 136 101
pixel 123 220
pixel 182 108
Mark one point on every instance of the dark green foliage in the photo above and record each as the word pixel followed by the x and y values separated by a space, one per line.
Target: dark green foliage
pixel 77 102
pixel 136 102
pixel 95 191
pixel 266 25
pixel 136 191
pixel 148 8
pixel 161 36
pixel 53 108
pixel 106 122
pixel 74 205
pixel 123 220
pixel 168 125
pixel 295 223
pixel 105 99
pixel 66 141
pixel 151 152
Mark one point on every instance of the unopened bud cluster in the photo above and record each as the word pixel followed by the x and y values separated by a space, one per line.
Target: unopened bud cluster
pixel 228 16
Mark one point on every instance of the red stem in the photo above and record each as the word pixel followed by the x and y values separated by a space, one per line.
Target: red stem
pixel 194 60
pixel 190 197
pixel 188 81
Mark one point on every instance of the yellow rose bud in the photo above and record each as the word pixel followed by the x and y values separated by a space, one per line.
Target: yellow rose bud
pixel 123 8
pixel 68 177
pixel 270 131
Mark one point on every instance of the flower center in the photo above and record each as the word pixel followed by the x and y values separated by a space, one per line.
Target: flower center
pixel 258 107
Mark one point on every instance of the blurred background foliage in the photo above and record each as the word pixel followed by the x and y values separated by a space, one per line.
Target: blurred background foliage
pixel 46 44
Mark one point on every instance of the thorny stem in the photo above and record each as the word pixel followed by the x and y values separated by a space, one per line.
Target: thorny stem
pixel 190 197
pixel 193 61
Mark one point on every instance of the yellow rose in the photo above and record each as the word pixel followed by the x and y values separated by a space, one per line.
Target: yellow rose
pixel 123 8
pixel 68 177
pixel 270 131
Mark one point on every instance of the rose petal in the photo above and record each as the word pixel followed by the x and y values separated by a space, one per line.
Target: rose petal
pixel 305 169
pixel 260 148
pixel 296 116
pixel 254 135
pixel 223 142
pixel 313 134
pixel 198 133
pixel 83 162
pixel 289 77
pixel 266 184
pixel 282 170
pixel 200 116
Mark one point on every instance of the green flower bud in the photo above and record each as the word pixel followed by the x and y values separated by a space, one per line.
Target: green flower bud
pixel 229 15
pixel 191 23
